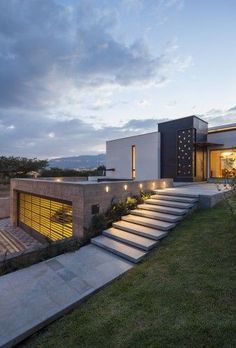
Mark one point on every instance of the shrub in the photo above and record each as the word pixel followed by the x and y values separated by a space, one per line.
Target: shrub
pixel 115 212
pixel 98 224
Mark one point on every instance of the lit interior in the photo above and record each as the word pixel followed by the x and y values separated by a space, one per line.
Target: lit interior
pixel 133 154
pixel 51 218
pixel 223 163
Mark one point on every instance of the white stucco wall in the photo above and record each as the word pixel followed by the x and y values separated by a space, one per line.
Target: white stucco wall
pixel 118 156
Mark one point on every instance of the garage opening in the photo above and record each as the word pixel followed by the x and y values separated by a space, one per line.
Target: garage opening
pixel 51 218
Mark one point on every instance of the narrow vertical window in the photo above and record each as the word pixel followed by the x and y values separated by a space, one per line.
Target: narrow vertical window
pixel 133 161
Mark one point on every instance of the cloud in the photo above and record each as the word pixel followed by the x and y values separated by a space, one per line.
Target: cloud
pixel 47 48
pixel 47 137
pixel 233 109
pixel 143 102
pixel 179 4
pixel 145 125
pixel 217 117
pixel 60 57
pixel 41 136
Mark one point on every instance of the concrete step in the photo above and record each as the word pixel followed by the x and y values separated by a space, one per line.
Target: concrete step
pixel 169 203
pixel 158 224
pixel 173 198
pixel 130 238
pixel 140 230
pixel 156 215
pixel 126 251
pixel 11 242
pixel 163 209
pixel 172 192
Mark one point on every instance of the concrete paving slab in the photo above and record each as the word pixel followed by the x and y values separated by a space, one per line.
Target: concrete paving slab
pixel 34 296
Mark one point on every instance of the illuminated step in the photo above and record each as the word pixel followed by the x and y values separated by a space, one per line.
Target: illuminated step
pixel 140 230
pixel 158 224
pixel 163 209
pixel 169 203
pixel 156 215
pixel 172 192
pixel 175 198
pixel 126 251
pixel 130 238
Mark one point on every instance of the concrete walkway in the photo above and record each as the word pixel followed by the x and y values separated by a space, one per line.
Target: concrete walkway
pixel 34 296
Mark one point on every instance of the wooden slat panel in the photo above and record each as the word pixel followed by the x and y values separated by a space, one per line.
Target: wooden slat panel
pixel 48 217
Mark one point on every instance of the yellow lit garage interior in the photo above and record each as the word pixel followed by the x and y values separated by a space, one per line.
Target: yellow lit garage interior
pixel 48 217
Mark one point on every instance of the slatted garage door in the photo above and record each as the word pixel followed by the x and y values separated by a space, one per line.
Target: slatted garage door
pixel 49 217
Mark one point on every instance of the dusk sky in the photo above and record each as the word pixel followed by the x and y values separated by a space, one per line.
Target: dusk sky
pixel 75 73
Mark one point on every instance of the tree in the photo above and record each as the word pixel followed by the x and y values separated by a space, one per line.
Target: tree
pixel 12 167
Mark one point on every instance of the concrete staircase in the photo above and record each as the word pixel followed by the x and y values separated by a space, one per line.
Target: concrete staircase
pixel 10 243
pixel 140 231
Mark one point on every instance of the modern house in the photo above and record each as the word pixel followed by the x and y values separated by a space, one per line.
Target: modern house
pixel 184 149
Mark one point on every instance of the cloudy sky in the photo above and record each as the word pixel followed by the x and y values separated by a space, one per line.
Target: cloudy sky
pixel 74 73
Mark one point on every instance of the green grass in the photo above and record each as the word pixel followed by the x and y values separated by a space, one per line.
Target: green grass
pixel 181 296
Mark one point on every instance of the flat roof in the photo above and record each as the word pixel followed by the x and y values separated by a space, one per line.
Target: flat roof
pixel 132 136
pixel 215 129
pixel 180 118
pixel 222 128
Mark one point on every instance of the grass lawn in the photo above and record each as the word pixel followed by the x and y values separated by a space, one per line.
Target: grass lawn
pixel 181 296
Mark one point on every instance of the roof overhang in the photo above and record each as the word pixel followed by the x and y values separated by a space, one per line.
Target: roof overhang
pixel 207 143
pixel 223 128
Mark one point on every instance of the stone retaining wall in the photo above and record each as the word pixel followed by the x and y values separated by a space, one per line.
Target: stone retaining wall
pixel 4 207
pixel 83 195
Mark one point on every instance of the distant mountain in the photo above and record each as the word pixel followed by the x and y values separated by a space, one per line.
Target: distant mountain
pixel 78 162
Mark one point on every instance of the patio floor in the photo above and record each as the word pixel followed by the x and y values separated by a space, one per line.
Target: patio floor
pixel 208 193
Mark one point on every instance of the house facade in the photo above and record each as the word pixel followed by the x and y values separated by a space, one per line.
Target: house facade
pixel 185 149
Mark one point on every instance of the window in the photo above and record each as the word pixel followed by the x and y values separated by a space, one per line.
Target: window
pixel 133 161
pixel 49 217
pixel 223 163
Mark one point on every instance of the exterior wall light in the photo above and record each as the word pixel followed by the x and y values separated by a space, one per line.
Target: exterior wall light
pixel 164 184
pixel 58 180
pixel 125 187
pixel 141 186
pixel 153 185
pixel 107 188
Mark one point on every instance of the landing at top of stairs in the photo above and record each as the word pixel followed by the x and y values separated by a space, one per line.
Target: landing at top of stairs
pixel 175 198
pixel 173 192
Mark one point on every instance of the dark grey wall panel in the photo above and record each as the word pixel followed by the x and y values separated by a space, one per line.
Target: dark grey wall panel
pixel 175 135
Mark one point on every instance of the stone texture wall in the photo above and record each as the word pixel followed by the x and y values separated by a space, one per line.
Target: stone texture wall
pixel 4 207
pixel 82 195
